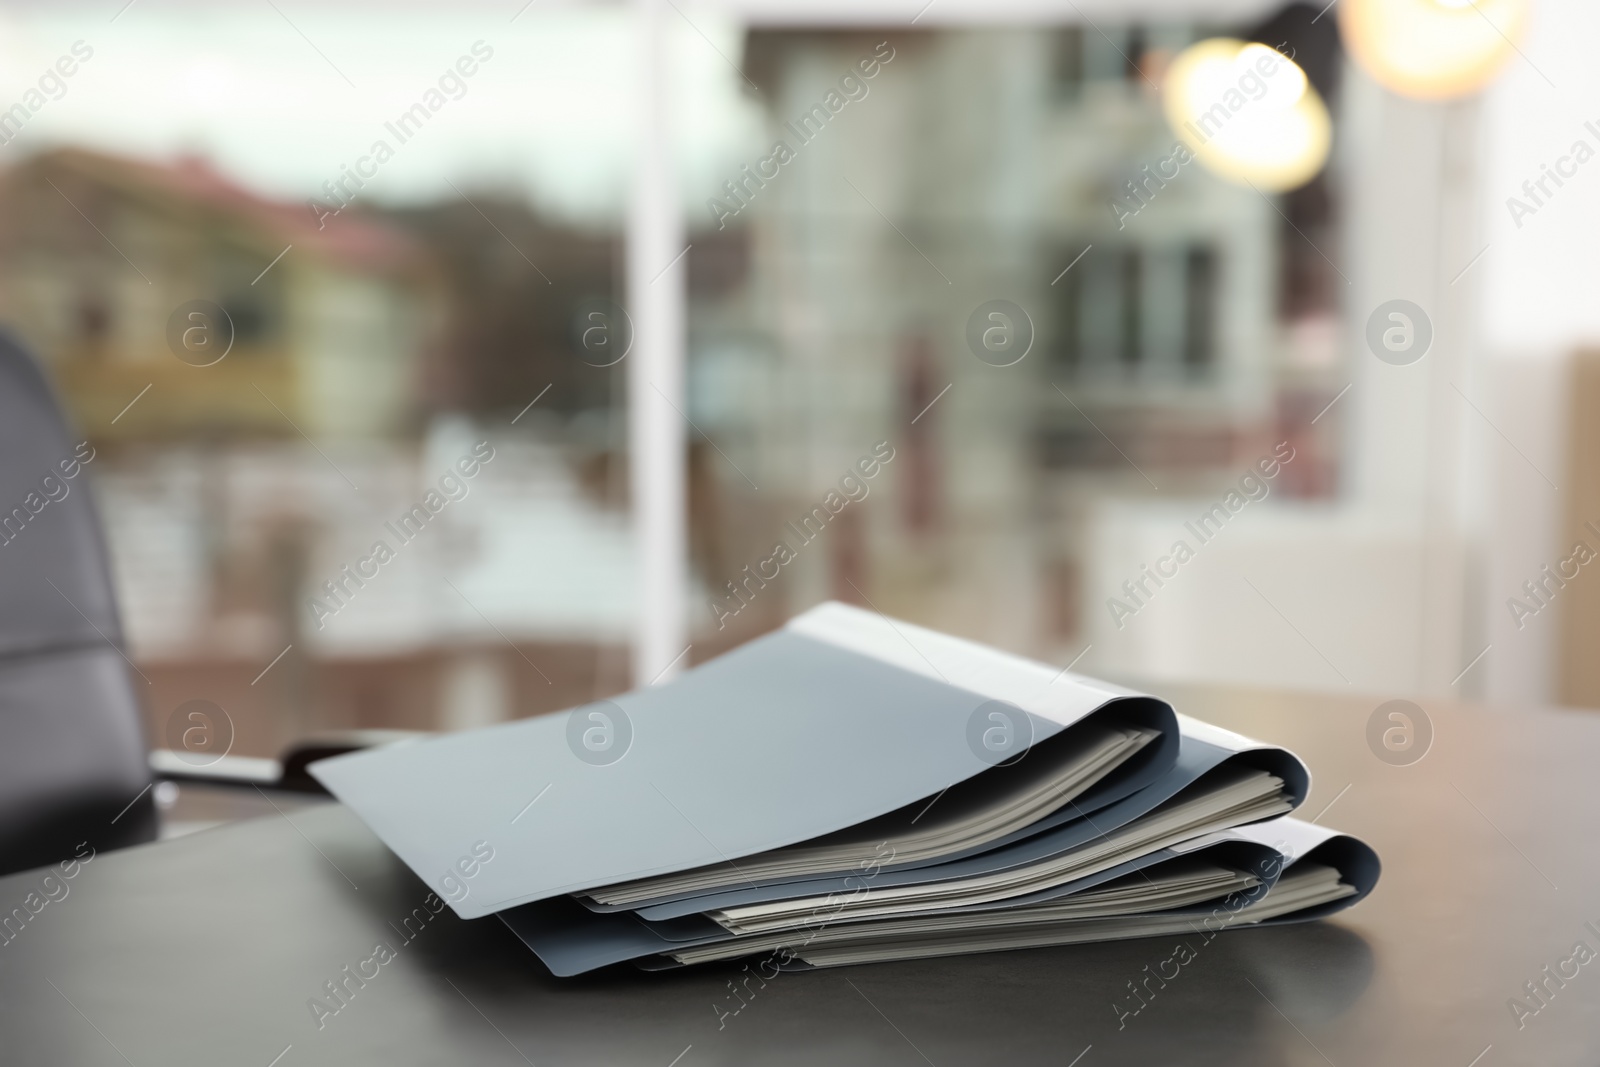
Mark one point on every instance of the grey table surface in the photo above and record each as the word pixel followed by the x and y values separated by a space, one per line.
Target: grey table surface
pixel 209 948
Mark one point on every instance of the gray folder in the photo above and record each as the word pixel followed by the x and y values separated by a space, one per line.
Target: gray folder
pixel 840 716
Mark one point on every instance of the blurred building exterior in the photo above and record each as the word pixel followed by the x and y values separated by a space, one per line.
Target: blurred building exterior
pixel 1171 349
pixel 240 467
pixel 101 253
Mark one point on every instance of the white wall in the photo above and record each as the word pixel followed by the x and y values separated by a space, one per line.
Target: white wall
pixel 1537 303
pixel 1522 532
pixel 1539 280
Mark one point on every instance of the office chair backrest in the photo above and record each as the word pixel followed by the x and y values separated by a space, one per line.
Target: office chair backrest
pixel 73 769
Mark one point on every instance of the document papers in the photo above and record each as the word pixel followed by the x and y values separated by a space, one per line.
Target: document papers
pixel 849 789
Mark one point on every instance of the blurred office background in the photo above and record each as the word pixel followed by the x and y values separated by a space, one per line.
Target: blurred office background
pixel 477 289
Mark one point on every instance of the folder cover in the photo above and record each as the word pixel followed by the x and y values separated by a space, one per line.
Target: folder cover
pixel 851 788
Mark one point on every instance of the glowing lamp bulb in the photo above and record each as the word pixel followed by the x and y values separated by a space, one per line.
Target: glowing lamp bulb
pixel 1432 49
pixel 1247 113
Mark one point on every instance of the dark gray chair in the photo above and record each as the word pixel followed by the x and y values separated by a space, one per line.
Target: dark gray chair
pixel 73 769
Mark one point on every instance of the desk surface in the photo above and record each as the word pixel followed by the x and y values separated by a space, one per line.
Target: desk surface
pixel 207 949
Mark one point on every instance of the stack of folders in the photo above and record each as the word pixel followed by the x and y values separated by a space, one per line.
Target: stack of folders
pixel 853 789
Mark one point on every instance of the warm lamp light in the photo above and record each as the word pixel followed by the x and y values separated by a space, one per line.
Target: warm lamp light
pixel 1432 49
pixel 1247 113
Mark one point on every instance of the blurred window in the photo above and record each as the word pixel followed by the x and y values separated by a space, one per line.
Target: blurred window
pixel 339 300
